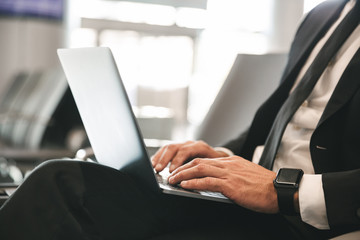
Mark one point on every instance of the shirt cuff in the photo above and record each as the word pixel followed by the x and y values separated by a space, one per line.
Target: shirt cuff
pixel 312 201
pixel 225 150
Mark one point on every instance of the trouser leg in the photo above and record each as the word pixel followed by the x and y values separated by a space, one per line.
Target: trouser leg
pixel 76 200
pixel 79 200
pixel 44 205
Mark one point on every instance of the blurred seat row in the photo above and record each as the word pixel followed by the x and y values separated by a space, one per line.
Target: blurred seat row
pixel 38 121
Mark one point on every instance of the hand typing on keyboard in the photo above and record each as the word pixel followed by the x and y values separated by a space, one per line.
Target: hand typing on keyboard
pixel 178 154
pixel 197 166
pixel 246 183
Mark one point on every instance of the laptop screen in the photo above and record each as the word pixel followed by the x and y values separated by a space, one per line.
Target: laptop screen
pixel 105 110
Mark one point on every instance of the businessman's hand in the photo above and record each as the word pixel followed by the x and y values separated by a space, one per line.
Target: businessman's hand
pixel 246 183
pixel 178 154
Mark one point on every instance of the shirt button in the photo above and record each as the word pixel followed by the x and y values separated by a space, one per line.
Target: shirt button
pixel 296 127
pixel 305 103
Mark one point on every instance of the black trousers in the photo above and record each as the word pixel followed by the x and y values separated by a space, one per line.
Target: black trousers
pixel 64 199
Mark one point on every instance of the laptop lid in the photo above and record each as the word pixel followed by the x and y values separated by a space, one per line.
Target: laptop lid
pixel 106 112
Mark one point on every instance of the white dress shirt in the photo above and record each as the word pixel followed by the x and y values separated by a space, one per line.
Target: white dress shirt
pixel 294 151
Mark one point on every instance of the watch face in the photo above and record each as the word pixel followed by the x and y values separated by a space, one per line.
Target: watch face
pixel 289 176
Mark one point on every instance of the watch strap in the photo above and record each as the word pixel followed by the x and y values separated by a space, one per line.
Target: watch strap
pixel 286 200
pixel 286 184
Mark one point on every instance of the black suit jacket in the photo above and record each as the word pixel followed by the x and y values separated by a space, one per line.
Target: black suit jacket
pixel 335 143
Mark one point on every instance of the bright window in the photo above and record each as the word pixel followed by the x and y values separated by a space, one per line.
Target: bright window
pixel 310 4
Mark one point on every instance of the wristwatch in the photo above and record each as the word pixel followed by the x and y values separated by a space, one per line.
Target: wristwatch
pixel 286 184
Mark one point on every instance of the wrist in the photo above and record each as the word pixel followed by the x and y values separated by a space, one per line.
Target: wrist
pixel 224 152
pixel 296 202
pixel 286 184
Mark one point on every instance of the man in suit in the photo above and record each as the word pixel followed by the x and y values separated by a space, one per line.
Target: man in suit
pixel 320 139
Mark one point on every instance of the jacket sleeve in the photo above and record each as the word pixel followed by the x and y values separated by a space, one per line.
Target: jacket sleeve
pixel 236 145
pixel 342 197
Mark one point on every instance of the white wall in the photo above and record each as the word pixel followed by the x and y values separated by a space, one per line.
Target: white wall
pixel 27 45
pixel 285 18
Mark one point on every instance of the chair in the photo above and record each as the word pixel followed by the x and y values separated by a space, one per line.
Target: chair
pixel 251 80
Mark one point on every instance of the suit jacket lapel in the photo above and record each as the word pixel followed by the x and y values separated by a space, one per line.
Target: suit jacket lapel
pixel 348 84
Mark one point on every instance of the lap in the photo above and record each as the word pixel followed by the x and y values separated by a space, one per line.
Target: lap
pixel 89 201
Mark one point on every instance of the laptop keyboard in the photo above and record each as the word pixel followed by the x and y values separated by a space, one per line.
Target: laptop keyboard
pixel 162 179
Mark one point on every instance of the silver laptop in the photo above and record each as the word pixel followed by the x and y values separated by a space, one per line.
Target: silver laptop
pixel 109 121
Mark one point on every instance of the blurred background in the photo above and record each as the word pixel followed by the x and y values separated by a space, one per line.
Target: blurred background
pixel 193 69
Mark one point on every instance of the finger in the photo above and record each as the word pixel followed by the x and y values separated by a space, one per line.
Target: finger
pixel 204 184
pixel 166 155
pixel 216 162
pixel 198 149
pixel 184 154
pixel 197 171
pixel 159 155
pixel 155 158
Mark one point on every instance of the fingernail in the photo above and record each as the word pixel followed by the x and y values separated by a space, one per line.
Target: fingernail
pixel 171 179
pixel 183 183
pixel 158 166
